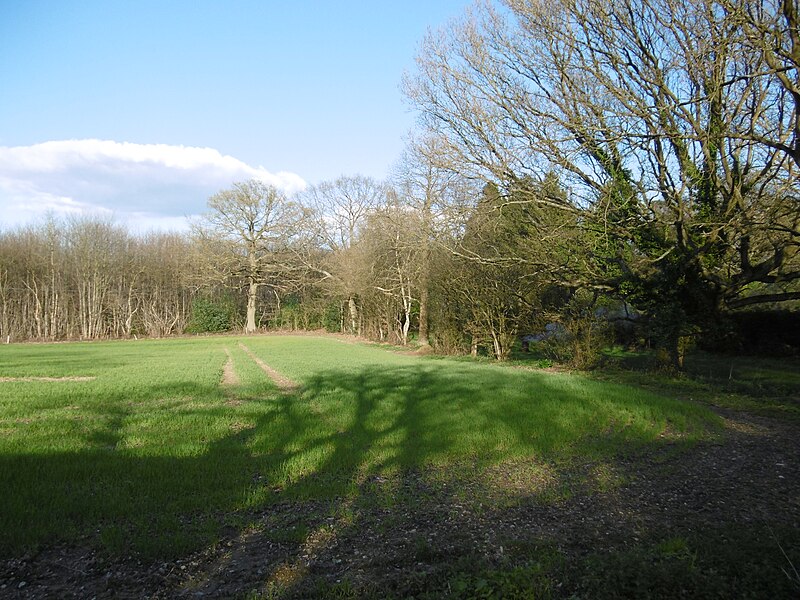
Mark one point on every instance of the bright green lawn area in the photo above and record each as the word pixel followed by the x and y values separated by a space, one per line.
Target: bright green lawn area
pixel 155 455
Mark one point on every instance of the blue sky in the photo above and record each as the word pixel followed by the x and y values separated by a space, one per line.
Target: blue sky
pixel 142 109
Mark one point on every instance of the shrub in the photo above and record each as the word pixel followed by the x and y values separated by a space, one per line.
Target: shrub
pixel 332 318
pixel 209 316
pixel 581 335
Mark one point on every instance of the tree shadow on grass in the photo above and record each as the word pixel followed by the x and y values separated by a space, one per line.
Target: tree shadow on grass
pixel 380 471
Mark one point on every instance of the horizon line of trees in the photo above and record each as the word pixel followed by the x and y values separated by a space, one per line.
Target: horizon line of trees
pixel 580 162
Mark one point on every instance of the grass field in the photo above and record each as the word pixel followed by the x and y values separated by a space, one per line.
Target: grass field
pixel 155 437
pixel 142 447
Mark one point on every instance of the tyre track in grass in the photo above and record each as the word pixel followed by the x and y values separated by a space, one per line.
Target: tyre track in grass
pixel 230 381
pixel 284 383
pixel 229 376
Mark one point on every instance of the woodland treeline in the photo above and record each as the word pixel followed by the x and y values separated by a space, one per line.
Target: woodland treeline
pixel 596 171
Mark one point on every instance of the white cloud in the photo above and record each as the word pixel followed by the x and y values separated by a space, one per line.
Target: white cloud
pixel 154 185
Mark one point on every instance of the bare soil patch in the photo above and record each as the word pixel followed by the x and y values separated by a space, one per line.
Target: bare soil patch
pixel 229 376
pixel 229 381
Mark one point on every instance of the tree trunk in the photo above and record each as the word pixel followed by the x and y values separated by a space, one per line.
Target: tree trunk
pixel 252 293
pixel 497 345
pixel 405 322
pixel 278 311
pixel 351 304
pixel 423 315
pixel 405 327
pixel 670 353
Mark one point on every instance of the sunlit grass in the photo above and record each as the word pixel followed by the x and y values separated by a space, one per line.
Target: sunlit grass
pixel 154 454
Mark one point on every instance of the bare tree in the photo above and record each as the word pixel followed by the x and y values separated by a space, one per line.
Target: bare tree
pixel 341 208
pixel 95 253
pixel 257 224
pixel 90 278
pixel 437 195
pixel 771 31
pixel 162 293
pixel 44 278
pixel 393 251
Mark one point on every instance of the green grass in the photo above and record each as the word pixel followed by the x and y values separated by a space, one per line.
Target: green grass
pixel 154 456
pixel 764 385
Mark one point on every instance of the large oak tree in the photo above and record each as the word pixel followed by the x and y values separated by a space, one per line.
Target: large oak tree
pixel 254 225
